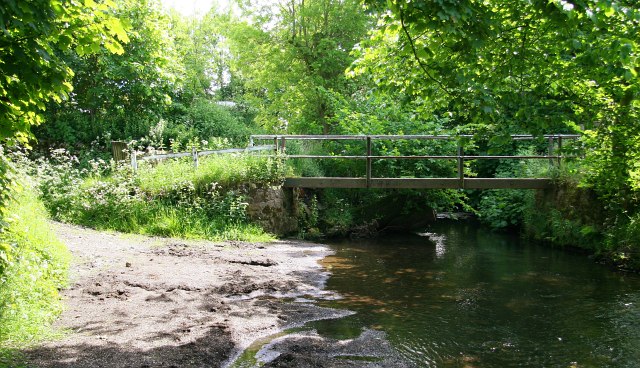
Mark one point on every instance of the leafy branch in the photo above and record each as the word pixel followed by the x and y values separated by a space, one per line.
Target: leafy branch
pixel 421 63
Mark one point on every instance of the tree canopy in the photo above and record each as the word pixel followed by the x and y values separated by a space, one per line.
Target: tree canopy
pixel 292 56
pixel 33 36
pixel 519 66
pixel 119 94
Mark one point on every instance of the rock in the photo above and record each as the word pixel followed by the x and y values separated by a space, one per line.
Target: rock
pixel 272 208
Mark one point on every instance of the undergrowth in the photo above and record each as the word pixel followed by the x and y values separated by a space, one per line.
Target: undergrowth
pixel 170 198
pixel 33 267
pixel 507 208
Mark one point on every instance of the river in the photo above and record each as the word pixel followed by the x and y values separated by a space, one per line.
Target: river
pixel 462 296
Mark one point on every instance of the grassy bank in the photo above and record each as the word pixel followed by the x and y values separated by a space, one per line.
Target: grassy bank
pixel 33 267
pixel 169 198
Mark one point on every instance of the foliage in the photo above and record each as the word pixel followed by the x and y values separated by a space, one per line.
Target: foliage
pixel 338 214
pixel 292 56
pixel 611 168
pixel 7 185
pixel 208 119
pixel 168 199
pixel 34 33
pixel 198 45
pixel 507 208
pixel 622 243
pixel 308 216
pixel 31 273
pixel 120 94
pixel 504 208
pixel 493 52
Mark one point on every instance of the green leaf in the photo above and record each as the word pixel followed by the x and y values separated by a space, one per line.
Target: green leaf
pixel 609 11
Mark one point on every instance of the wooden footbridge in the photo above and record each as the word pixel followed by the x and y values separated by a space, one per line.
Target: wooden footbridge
pixel 279 143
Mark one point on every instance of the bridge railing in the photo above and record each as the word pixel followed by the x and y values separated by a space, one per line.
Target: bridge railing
pixel 195 154
pixel 554 154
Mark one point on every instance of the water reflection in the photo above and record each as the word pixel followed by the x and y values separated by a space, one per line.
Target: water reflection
pixel 465 297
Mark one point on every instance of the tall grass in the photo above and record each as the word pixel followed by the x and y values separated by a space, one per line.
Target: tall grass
pixel 33 267
pixel 227 171
pixel 169 198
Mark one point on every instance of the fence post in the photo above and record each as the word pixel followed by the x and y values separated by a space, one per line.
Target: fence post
pixel 283 145
pixel 194 154
pixel 275 144
pixel 134 159
pixel 551 161
pixel 119 150
pixel 460 166
pixel 251 141
pixel 368 161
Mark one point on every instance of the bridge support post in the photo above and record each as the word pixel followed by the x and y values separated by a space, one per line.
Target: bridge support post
pixel 559 151
pixel 368 161
pixel 461 166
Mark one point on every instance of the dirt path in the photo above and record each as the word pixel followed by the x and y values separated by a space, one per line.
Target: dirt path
pixel 138 301
pixel 145 302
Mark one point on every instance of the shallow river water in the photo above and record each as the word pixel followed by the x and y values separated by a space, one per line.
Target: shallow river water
pixel 461 296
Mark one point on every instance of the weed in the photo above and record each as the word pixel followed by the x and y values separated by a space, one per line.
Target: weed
pixel 34 269
pixel 170 198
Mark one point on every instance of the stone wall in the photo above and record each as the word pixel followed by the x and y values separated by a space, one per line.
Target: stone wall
pixel 273 208
pixel 566 215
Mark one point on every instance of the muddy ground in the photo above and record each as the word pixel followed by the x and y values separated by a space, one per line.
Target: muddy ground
pixel 138 301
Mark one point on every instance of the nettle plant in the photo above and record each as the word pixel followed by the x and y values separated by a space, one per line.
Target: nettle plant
pixel 69 190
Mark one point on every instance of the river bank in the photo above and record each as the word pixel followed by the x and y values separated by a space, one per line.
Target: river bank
pixel 138 301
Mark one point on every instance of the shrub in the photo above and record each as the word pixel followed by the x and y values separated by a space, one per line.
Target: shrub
pixel 506 208
pixel 33 269
pixel 170 198
pixel 205 119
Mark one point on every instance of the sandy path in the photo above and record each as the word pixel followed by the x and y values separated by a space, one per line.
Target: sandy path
pixel 151 302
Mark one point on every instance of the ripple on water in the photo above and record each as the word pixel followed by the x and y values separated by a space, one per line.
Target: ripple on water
pixel 487 300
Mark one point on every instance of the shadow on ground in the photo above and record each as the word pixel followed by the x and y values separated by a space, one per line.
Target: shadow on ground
pixel 211 350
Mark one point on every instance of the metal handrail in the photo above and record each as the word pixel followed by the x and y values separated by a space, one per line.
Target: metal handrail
pixel 400 136
pixel 279 141
pixel 195 154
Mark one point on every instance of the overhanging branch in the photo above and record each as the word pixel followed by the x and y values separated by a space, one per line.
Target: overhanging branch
pixel 422 65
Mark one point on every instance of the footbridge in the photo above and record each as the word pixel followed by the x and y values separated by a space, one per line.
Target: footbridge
pixel 372 152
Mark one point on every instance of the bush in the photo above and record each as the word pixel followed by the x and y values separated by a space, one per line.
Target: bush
pixel 32 270
pixel 170 198
pixel 506 208
pixel 205 119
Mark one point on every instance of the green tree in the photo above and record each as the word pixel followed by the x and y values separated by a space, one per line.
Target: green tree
pixel 519 66
pixel 199 45
pixel 121 95
pixel 33 35
pixel 292 56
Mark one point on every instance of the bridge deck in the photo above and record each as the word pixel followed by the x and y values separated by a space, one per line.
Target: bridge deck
pixel 419 183
pixel 553 154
